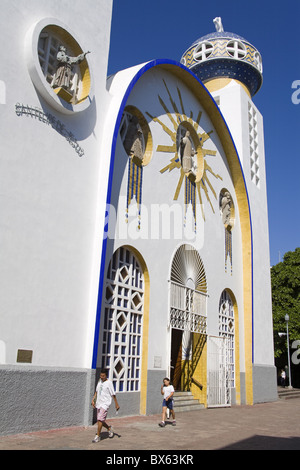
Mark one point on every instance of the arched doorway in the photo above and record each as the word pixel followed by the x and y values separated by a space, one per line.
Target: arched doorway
pixel 223 355
pixel 187 315
pixel 227 331
pixel 122 334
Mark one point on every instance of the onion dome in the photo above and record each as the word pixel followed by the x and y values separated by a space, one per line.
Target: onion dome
pixel 225 55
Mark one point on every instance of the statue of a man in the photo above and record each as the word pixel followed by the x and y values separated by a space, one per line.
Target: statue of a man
pixel 186 153
pixel 226 204
pixel 63 75
pixel 218 24
pixel 133 142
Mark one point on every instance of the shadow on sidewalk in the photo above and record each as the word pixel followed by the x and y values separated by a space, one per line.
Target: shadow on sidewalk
pixel 265 443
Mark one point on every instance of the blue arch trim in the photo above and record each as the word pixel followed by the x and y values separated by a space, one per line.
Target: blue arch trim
pixel 139 74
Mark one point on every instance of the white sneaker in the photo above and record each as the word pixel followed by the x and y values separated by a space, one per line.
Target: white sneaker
pixel 96 438
pixel 110 432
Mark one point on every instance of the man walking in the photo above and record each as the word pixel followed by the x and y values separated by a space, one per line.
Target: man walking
pixel 103 396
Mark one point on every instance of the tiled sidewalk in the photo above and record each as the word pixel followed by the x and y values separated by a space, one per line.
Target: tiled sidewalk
pixel 265 426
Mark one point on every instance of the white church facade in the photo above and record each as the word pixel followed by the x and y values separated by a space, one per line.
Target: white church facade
pixel 134 230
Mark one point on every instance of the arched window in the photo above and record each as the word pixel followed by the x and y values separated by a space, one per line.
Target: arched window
pixel 227 331
pixel 123 321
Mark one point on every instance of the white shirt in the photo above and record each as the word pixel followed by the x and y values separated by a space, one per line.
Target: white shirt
pixel 168 390
pixel 105 391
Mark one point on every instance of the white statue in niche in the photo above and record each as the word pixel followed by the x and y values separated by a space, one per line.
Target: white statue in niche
pixel 187 154
pixel 134 140
pixel 226 205
pixel 63 75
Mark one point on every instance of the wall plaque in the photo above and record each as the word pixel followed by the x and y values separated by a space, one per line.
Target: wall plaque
pixel 25 356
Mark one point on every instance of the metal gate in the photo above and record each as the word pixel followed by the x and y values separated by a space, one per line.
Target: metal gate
pixel 218 388
pixel 187 309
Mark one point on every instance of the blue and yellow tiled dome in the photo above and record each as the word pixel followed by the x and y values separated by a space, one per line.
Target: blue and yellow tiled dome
pixel 225 55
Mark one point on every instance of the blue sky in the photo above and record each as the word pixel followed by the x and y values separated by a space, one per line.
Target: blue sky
pixel 164 29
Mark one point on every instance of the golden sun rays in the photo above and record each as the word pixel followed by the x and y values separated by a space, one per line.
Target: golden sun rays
pixel 196 181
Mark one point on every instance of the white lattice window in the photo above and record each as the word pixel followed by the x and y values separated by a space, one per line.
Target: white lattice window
pixel 227 330
pixel 253 145
pixel 203 51
pixel 47 50
pixel 123 321
pixel 236 49
pixel 258 61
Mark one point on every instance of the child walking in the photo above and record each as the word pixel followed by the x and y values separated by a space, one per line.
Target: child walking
pixel 167 390
pixel 103 396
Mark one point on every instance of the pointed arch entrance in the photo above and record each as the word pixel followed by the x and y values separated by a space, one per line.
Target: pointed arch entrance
pixel 124 343
pixel 187 315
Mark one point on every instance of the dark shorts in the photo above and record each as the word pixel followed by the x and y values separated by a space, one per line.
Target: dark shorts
pixel 168 404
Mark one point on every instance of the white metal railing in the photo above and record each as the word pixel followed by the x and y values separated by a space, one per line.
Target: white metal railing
pixel 187 309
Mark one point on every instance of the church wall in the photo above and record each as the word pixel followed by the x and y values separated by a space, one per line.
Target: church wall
pixel 50 187
pixel 49 194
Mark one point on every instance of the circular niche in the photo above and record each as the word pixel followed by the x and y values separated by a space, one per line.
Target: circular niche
pixel 136 136
pixel 227 209
pixel 58 66
pixel 189 150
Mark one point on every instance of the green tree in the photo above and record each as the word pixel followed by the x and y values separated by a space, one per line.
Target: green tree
pixel 285 279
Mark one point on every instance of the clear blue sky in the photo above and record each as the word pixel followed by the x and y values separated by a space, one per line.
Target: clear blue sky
pixel 164 29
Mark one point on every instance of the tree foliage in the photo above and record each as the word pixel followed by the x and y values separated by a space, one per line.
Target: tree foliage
pixel 285 279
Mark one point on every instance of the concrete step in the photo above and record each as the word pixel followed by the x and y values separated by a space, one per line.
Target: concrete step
pixel 183 397
pixel 287 393
pixel 184 401
pixel 183 394
pixel 179 409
